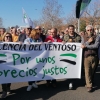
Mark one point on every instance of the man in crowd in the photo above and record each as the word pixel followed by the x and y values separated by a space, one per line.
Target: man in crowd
pixel 71 36
pixel 11 29
pixel 18 31
pixel 25 35
pixel 14 35
pixel 96 30
pixel 42 36
pixel 66 31
pixel 48 33
pixel 90 44
pixel 2 31
pixel 23 31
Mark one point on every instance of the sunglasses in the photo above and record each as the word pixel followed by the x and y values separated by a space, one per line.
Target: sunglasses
pixel 89 30
pixel 38 28
pixel 8 36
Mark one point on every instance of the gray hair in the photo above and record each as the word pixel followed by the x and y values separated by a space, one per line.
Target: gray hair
pixel 89 26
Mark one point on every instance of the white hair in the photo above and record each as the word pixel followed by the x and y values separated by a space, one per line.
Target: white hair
pixel 89 26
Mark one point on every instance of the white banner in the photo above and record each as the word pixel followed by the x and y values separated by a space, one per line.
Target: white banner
pixel 22 63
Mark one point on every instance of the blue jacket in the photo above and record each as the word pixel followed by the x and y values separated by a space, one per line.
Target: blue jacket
pixel 30 40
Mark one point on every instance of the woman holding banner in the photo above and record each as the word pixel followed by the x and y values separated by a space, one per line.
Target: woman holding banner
pixel 33 37
pixel 6 87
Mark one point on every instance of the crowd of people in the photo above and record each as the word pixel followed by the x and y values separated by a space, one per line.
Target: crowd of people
pixel 90 43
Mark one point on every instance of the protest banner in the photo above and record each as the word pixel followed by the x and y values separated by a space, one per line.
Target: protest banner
pixel 22 62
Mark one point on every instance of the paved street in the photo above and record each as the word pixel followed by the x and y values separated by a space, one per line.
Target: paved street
pixel 60 93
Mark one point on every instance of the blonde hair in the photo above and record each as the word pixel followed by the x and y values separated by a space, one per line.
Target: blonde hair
pixel 34 32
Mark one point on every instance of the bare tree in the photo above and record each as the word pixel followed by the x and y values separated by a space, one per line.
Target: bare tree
pixel 92 14
pixel 37 22
pixel 51 14
pixel 71 19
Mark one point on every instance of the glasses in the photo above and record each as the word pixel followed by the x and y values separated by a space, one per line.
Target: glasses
pixel 89 30
pixel 29 28
pixel 8 36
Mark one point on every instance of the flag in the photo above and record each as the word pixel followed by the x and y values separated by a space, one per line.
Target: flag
pixel 81 6
pixel 27 20
pixel 25 17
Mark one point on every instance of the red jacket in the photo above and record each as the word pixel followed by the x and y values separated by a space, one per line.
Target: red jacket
pixel 53 39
